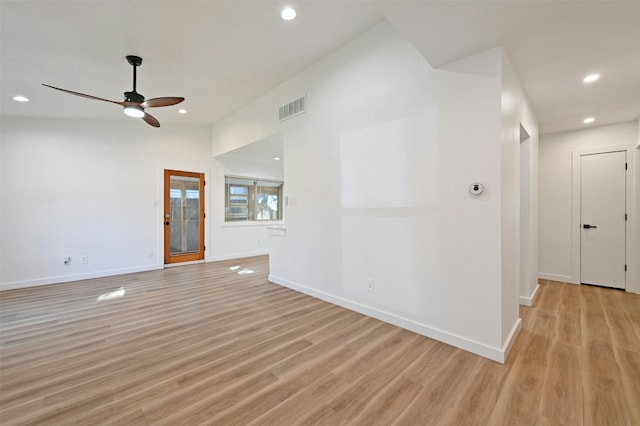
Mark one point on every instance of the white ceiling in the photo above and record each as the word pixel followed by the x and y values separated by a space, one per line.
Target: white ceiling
pixel 263 151
pixel 220 55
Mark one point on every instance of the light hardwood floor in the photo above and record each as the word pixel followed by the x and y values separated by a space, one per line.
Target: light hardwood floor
pixel 202 344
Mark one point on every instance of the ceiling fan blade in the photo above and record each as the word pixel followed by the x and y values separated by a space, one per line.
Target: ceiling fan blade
pixel 150 119
pixel 84 95
pixel 161 102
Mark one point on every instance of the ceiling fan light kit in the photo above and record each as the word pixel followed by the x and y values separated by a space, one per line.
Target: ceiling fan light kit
pixel 134 103
pixel 134 111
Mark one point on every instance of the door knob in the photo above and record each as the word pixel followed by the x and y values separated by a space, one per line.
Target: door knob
pixel 586 226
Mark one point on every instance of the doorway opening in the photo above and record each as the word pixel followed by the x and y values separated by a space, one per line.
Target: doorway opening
pixel 183 216
pixel 528 274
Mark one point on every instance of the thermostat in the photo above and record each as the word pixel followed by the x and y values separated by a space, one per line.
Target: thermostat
pixel 476 188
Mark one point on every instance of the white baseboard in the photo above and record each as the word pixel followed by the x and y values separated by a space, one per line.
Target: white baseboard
pixel 529 301
pixel 511 338
pixel 76 277
pixel 561 278
pixel 237 255
pixel 493 353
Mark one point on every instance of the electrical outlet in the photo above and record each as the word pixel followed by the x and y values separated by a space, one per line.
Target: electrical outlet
pixel 84 258
pixel 67 260
pixel 370 285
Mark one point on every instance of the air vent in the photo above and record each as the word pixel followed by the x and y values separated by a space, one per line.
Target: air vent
pixel 293 108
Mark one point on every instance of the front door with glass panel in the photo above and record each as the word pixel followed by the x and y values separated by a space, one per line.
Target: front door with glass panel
pixel 183 216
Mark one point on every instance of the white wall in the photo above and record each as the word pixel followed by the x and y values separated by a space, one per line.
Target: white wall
pixel 637 221
pixel 87 187
pixel 559 233
pixel 379 169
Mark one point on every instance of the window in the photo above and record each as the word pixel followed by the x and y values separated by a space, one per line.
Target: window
pixel 252 199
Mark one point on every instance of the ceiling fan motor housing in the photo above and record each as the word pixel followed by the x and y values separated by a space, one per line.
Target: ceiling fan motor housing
pixel 133 97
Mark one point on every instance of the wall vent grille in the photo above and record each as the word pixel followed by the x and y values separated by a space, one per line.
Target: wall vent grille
pixel 293 108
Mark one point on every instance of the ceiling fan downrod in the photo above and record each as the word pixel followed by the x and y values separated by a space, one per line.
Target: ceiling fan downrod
pixel 134 96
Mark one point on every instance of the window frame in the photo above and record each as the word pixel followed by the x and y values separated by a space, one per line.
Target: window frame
pixel 254 190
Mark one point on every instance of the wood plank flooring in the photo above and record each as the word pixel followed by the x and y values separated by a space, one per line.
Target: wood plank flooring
pixel 203 344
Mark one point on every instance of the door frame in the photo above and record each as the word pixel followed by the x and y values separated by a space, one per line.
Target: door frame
pixel 632 284
pixel 190 257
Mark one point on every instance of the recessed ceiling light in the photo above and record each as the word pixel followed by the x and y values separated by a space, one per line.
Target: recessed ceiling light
pixel 182 111
pixel 276 158
pixel 588 120
pixel 20 98
pixel 288 13
pixel 591 78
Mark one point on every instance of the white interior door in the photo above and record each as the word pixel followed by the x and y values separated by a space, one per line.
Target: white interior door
pixel 603 222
